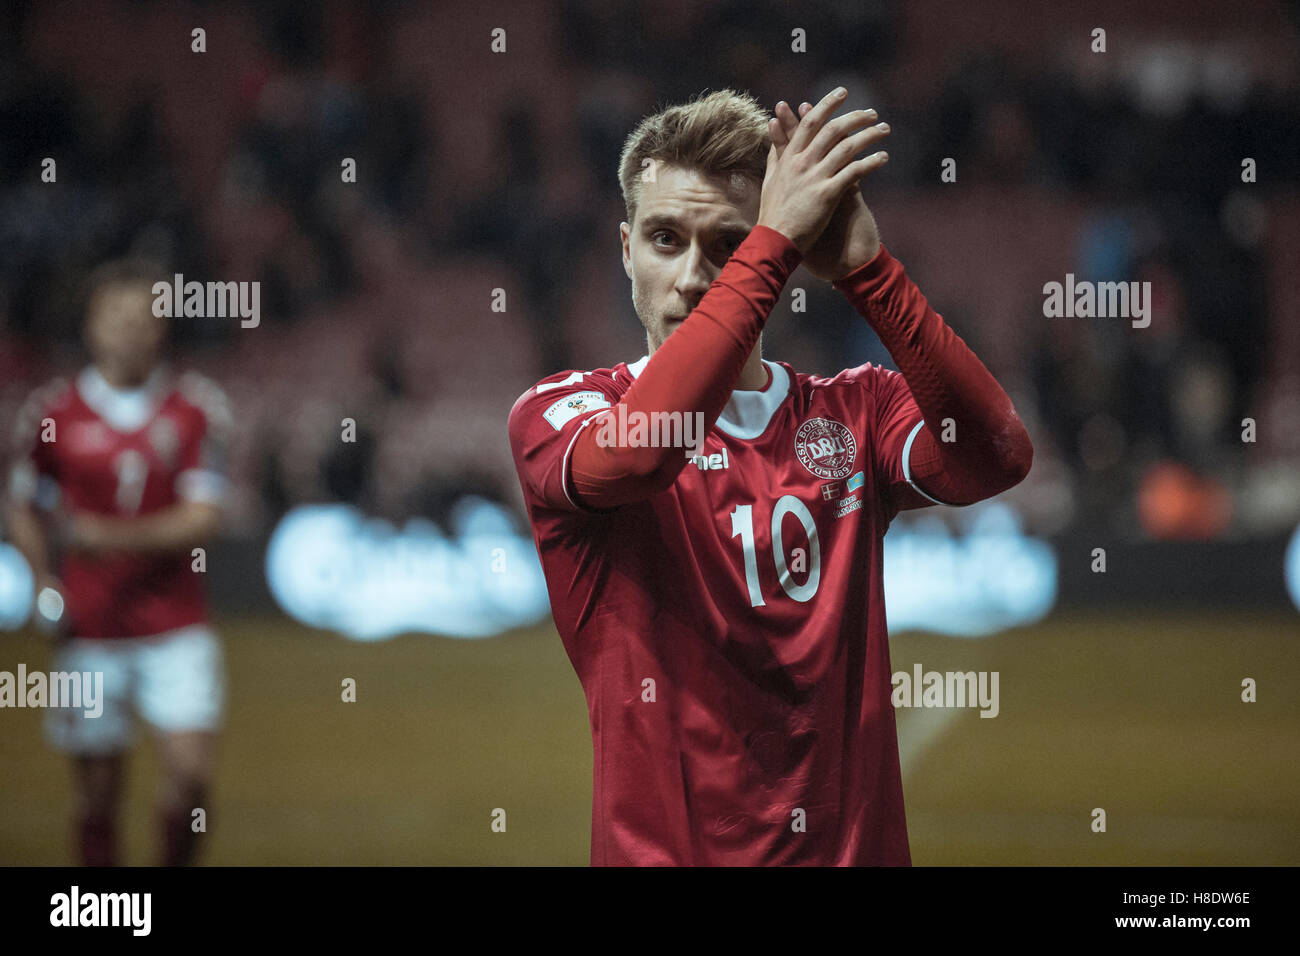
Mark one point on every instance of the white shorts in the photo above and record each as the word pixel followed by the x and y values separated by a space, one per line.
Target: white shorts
pixel 174 681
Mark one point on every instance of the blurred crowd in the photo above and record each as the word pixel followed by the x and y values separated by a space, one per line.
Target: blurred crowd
pixel 476 174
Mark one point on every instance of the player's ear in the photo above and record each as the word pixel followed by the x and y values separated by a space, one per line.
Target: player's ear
pixel 625 235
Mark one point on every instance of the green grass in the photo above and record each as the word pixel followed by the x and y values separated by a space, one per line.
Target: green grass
pixel 1141 717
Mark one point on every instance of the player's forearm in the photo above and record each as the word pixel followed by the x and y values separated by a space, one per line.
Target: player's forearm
pixel 693 371
pixel 989 450
pixel 27 534
pixel 178 528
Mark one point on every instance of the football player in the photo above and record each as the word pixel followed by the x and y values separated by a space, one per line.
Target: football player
pixel 116 489
pixel 723 605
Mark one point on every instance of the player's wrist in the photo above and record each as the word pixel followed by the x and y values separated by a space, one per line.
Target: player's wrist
pixel 873 265
pixel 767 242
pixel 776 230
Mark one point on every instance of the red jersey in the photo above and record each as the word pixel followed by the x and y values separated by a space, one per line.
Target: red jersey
pixel 729 632
pixel 124 453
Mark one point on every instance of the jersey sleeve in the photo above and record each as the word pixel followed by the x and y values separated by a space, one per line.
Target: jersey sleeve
pixel 896 422
pixel 33 470
pixel 544 425
pixel 202 465
pixel 952 387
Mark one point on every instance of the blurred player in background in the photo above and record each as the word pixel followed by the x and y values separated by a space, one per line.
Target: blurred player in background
pixel 724 606
pixel 118 478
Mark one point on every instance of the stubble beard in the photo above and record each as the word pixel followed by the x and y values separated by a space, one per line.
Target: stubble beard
pixel 655 326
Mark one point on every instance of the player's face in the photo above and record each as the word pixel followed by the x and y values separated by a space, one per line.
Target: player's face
pixel 688 223
pixel 123 334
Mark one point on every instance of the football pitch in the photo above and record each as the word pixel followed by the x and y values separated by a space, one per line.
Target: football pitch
pixel 1139 715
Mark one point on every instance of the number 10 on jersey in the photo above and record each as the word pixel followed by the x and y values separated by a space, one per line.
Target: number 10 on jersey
pixel 742 526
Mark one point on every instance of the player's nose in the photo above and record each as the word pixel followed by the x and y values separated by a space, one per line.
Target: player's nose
pixel 695 275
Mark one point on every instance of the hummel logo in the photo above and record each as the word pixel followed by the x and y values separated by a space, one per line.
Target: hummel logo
pixel 711 462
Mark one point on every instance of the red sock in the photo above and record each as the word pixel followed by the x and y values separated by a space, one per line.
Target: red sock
pixel 97 841
pixel 179 841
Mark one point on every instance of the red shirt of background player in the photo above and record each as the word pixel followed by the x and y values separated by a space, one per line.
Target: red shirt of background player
pixel 169 449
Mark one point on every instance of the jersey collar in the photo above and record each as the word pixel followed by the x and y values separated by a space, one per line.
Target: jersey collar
pixel 124 409
pixel 749 411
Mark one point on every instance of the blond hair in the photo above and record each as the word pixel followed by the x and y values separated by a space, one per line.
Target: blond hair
pixel 720 133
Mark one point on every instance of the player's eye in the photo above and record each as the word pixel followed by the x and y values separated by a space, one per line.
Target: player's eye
pixel 662 232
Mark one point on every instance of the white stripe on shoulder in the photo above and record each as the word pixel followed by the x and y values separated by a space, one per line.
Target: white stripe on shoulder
pixel 209 398
pixel 27 421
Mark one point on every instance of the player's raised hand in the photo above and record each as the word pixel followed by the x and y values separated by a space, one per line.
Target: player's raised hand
pixel 813 168
pixel 850 238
